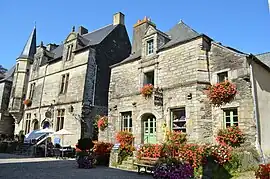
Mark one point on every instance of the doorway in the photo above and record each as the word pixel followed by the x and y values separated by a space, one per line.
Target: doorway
pixel 149 129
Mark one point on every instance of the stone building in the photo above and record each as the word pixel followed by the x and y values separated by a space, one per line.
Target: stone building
pixel 181 63
pixel 6 120
pixel 66 85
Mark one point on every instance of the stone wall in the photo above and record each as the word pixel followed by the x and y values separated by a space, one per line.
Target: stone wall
pixel 182 71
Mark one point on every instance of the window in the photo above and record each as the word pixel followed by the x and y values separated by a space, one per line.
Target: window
pixel 27 123
pixel 149 78
pixel 64 83
pixel 126 121
pixel 222 76
pixel 17 67
pixel 69 52
pixel 60 119
pixel 150 47
pixel 231 117
pixel 178 119
pixel 32 90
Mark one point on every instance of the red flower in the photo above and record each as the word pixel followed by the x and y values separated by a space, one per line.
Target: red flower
pixel 263 171
pixel 27 102
pixel 101 148
pixel 221 93
pixel 102 123
pixel 147 90
pixel 231 136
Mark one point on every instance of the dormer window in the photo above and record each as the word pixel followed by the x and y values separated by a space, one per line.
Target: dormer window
pixel 69 52
pixel 150 47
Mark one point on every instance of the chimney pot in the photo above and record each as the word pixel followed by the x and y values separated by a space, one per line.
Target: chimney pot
pixel 119 18
pixel 82 30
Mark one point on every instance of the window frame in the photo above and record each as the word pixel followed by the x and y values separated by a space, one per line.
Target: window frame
pixel 69 52
pixel 126 116
pixel 32 90
pixel 64 83
pixel 150 46
pixel 27 123
pixel 221 74
pixel 231 116
pixel 60 118
pixel 146 75
pixel 182 128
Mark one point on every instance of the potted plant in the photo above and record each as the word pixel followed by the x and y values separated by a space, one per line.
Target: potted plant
pixel 221 93
pixel 147 90
pixel 27 102
pixel 102 123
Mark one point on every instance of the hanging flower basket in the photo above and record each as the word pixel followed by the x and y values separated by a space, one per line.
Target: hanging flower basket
pixel 221 93
pixel 147 90
pixel 102 123
pixel 27 102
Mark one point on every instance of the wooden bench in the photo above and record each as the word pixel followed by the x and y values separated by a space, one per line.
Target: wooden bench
pixel 146 163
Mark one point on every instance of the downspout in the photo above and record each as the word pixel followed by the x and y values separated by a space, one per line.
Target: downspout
pixel 255 106
pixel 41 94
pixel 94 88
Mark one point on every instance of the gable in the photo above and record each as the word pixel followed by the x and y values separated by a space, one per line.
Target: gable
pixel 150 30
pixel 70 37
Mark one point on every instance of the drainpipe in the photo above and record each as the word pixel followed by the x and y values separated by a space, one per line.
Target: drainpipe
pixel 94 89
pixel 41 94
pixel 255 106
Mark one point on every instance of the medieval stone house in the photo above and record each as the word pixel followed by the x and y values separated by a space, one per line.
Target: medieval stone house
pixel 181 63
pixel 66 86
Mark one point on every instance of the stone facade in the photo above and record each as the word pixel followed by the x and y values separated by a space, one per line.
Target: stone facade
pixel 183 64
pixel 68 82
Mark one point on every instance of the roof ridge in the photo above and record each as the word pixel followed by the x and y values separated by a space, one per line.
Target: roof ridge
pixel 182 22
pixel 97 29
pixel 262 53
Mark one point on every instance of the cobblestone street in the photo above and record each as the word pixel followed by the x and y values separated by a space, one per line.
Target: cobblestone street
pixel 12 166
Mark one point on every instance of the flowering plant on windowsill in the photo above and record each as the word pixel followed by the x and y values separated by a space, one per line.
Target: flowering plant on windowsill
pixel 147 90
pixel 231 136
pixel 27 102
pixel 221 93
pixel 102 123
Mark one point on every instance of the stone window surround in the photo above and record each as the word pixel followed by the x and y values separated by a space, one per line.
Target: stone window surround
pixel 60 118
pixel 27 123
pixel 168 119
pixel 149 69
pixel 64 83
pixel 150 46
pixel 230 109
pixel 69 51
pixel 226 107
pixel 129 114
pixel 119 117
pixel 214 75
pixel 145 45
pixel 171 120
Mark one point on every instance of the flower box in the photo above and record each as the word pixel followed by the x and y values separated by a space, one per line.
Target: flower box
pixel 221 93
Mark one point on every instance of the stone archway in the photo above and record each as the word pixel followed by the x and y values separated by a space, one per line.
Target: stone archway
pixel 35 124
pixel 149 129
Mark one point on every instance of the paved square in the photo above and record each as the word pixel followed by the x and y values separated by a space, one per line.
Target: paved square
pixel 12 166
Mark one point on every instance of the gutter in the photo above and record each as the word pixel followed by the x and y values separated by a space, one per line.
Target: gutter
pixel 256 114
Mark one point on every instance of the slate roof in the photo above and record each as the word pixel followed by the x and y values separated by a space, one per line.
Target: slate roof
pixel 265 58
pixel 89 39
pixel 9 75
pixel 29 49
pixel 179 33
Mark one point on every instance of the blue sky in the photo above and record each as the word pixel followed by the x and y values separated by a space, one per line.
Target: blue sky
pixel 242 24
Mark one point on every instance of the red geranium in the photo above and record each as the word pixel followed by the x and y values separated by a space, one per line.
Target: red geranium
pixel 150 150
pixel 27 102
pixel 102 123
pixel 147 90
pixel 231 136
pixel 221 93
pixel 263 171
pixel 101 148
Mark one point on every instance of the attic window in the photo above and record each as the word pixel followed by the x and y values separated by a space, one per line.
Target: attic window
pixel 150 47
pixel 69 52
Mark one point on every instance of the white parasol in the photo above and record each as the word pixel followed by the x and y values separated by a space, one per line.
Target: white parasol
pixel 63 132
pixel 45 131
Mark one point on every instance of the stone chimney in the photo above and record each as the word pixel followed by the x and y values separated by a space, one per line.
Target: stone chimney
pixel 138 33
pixel 82 30
pixel 51 47
pixel 119 18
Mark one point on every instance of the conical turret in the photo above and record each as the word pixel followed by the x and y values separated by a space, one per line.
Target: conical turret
pixel 29 49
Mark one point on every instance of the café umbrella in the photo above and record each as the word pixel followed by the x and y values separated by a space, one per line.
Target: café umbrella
pixel 62 133
pixel 45 131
